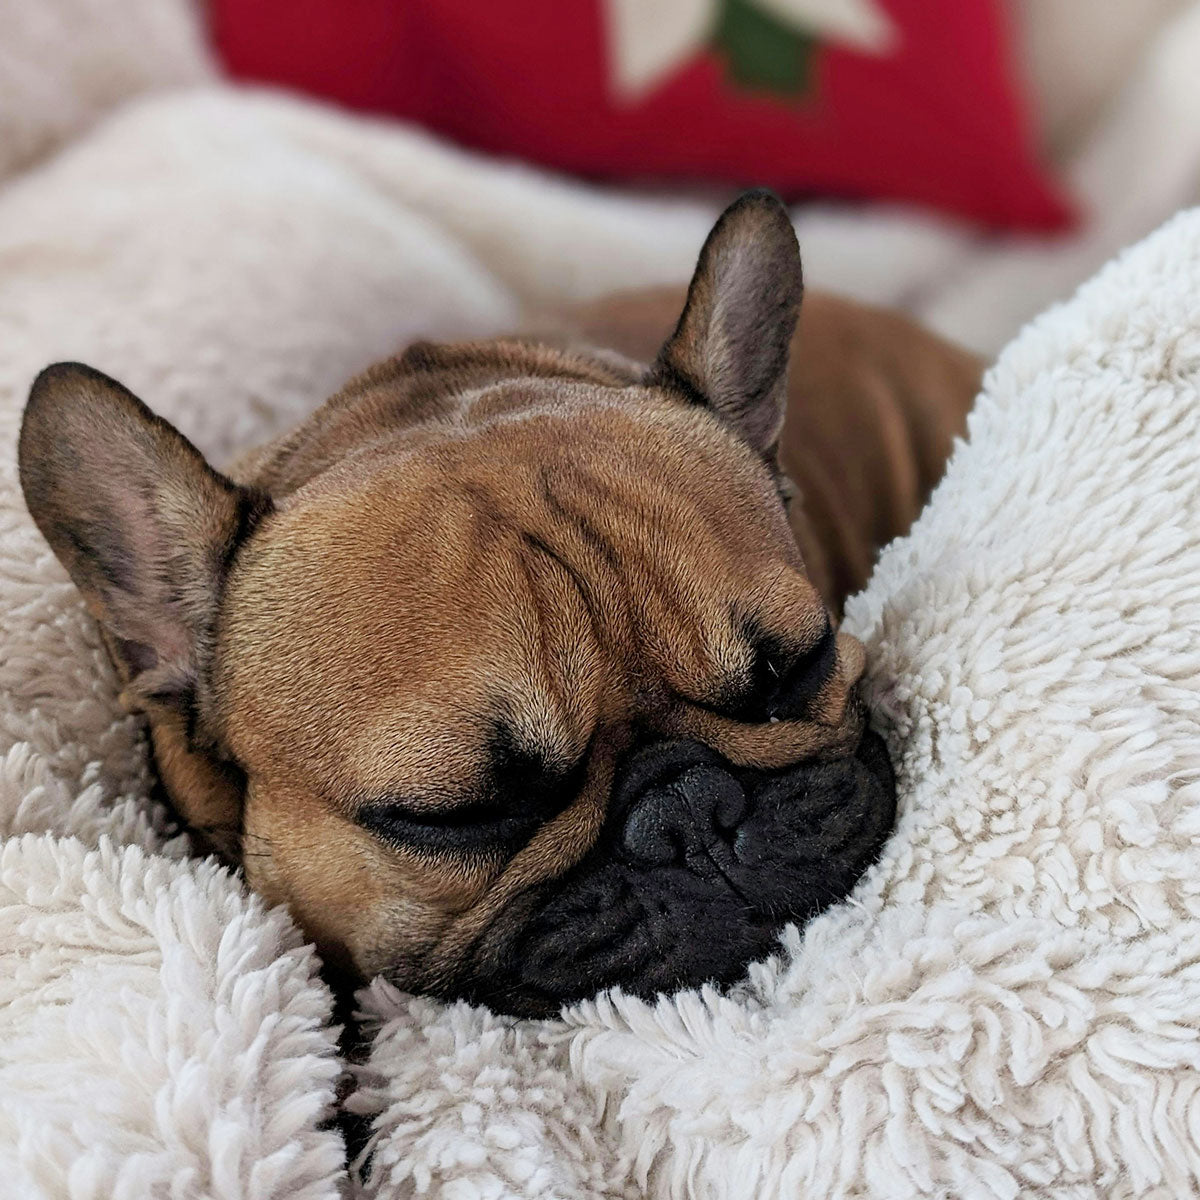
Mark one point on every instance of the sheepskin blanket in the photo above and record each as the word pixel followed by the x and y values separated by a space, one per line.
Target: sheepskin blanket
pixel 1008 1005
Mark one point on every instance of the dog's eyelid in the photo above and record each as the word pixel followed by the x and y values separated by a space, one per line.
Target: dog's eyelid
pixel 474 827
pixel 417 813
pixel 814 649
pixel 523 792
pixel 471 829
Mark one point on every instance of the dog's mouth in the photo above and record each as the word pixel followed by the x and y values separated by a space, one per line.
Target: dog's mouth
pixel 699 866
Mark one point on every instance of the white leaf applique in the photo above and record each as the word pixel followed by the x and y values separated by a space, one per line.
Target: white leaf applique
pixel 649 39
pixel 861 24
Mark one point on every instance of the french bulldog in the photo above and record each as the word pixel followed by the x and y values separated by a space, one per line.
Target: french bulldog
pixel 514 670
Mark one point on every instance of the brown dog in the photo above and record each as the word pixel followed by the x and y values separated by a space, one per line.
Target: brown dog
pixel 504 670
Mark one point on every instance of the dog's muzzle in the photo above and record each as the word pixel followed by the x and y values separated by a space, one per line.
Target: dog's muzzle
pixel 698 867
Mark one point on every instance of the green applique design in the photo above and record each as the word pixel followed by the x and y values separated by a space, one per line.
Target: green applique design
pixel 762 53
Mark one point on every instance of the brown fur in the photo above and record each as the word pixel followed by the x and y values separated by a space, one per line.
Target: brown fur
pixel 485 566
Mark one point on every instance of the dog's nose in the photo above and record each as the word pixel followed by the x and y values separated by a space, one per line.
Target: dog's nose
pixel 690 806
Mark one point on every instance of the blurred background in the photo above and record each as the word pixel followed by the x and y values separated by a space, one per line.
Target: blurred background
pixel 970 161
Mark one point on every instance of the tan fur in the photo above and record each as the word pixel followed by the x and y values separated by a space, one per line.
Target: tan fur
pixel 900 396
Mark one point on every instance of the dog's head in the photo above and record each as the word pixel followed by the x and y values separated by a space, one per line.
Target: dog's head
pixel 503 671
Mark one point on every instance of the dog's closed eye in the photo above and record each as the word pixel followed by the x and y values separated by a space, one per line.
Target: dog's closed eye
pixel 782 680
pixel 521 791
pixel 482 827
pixel 783 690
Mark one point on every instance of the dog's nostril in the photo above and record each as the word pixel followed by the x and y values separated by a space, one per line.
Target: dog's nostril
pixel 671 821
pixel 714 797
pixel 652 832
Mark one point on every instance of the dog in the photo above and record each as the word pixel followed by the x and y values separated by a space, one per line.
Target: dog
pixel 509 670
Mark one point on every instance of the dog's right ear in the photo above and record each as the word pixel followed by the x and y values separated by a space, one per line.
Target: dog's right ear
pixel 729 351
pixel 144 526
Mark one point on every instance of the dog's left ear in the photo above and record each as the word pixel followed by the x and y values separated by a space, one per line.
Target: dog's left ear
pixel 144 526
pixel 729 350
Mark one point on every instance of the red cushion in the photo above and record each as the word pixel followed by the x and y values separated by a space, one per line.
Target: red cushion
pixel 937 119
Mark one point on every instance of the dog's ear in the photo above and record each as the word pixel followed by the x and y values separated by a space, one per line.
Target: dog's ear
pixel 144 526
pixel 729 350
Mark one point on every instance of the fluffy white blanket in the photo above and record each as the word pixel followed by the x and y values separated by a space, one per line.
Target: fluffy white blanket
pixel 1010 1003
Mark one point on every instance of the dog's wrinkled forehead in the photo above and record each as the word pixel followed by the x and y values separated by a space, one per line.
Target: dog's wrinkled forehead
pixel 401 608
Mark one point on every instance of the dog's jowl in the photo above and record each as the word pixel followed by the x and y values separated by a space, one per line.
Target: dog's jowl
pixel 510 671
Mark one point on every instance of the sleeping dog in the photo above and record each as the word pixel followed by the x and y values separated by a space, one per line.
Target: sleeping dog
pixel 514 670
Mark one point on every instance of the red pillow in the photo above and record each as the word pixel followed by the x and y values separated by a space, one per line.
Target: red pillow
pixel 908 100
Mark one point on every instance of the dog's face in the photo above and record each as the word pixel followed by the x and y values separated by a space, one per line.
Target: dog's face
pixel 504 667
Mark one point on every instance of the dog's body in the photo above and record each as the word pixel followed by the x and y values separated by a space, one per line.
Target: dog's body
pixel 504 670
